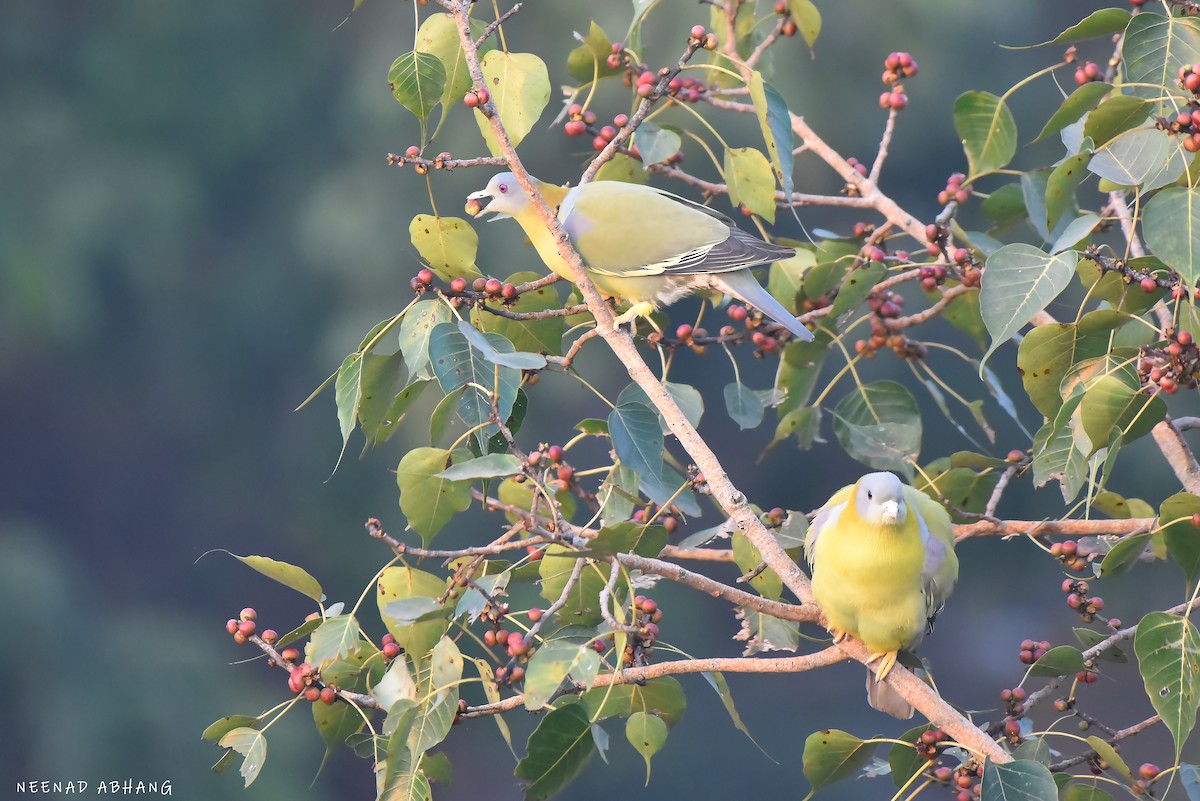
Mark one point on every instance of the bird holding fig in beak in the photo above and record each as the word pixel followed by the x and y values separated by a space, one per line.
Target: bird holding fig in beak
pixel 643 245
pixel 882 559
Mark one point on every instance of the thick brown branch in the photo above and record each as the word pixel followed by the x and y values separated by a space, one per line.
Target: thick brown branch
pixel 639 675
pixel 1046 528
pixel 1178 454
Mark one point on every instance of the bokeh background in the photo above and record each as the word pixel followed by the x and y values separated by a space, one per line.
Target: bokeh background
pixel 197 223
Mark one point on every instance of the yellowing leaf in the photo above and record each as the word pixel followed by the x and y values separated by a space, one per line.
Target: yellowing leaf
pixel 520 87
pixel 449 245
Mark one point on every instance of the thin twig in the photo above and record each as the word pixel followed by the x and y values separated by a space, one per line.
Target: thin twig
pixel 496 23
pixel 1116 737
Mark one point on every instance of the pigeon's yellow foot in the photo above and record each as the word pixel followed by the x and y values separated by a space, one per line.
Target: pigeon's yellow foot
pixel 642 309
pixel 888 661
pixel 838 635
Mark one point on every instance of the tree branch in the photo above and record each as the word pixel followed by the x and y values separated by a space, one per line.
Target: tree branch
pixel 1178 454
pixel 640 675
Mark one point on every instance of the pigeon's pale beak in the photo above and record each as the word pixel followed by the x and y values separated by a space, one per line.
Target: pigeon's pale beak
pixel 889 511
pixel 477 200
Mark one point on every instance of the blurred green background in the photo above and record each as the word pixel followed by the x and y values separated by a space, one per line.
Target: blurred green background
pixel 197 222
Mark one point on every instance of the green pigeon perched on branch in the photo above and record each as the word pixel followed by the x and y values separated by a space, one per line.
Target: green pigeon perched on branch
pixel 883 563
pixel 644 245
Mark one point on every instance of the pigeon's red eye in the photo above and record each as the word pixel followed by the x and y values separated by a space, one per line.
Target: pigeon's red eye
pixel 503 188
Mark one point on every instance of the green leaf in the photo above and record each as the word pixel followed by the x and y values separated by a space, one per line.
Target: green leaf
pixel 647 734
pixel 520 88
pixel 1005 206
pixel 448 244
pixel 855 288
pixel 637 437
pixel 774 118
pixel 879 425
pixel 987 129
pixel 252 745
pixel 384 398
pixel 686 397
pixel 721 687
pixel 557 751
pixel 750 181
pixel 662 697
pixel 415 329
pixel 622 168
pixel 1048 352
pixel 1115 116
pixel 628 537
pixel 1061 186
pixel 427 500
pixel 1055 455
pixel 398 583
pixel 544 336
pixel 1020 281
pixel 1171 226
pixel 222 726
pixel 903 760
pixel 785 278
pixel 1061 660
pixel 832 755
pixel 459 365
pixel 1124 555
pixel 1084 792
pixel 590 59
pixel 1189 776
pixel 1116 400
pixel 1181 537
pixel 408 611
pixel 494 465
pixel 1154 49
pixel 655 144
pixel 438 36
pixel 1143 157
pixel 333 639
pixel 1034 749
pixel 418 81
pixel 1074 107
pixel 744 406
pixel 506 358
pixel 747 557
pixel 1109 754
pixel 807 18
pixel 1020 780
pixel 551 664
pixel 347 393
pixel 583 605
pixel 288 575
pixel 1098 23
pixel 1168 652
pixel 336 722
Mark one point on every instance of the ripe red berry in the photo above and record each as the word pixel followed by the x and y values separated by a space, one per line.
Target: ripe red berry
pixel 598 143
pixel 698 31
pixel 328 696
pixel 535 615
pixel 607 133
pixel 575 128
pixel 621 120
pixel 516 643
pixel 289 654
pixel 248 614
pixel 1149 285
pixel 1148 771
pixel 789 28
pixel 555 452
pixel 425 276
pixel 312 693
pixel 231 626
pixel 458 286
pixel 492 286
pixel 470 100
pixel 412 152
pixel 246 627
pixel 270 636
pixel 391 651
pixel 1184 338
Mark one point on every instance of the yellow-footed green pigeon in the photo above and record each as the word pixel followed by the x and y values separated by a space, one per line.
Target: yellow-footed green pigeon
pixel 644 245
pixel 883 563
